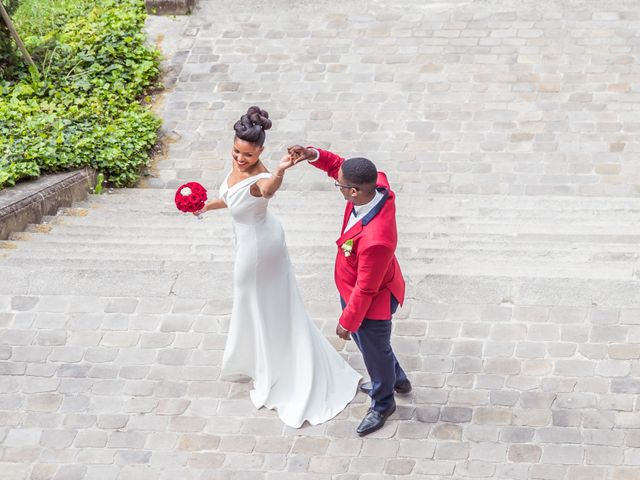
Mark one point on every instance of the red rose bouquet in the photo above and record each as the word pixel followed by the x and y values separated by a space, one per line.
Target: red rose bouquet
pixel 190 197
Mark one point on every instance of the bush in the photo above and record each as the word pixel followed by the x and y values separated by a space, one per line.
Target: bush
pixel 85 108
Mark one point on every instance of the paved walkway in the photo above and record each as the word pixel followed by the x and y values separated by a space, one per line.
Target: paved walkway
pixel 510 132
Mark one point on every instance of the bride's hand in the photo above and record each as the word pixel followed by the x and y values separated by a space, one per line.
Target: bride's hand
pixel 285 163
pixel 201 211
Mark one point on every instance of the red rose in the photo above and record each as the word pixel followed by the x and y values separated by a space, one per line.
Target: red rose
pixel 190 197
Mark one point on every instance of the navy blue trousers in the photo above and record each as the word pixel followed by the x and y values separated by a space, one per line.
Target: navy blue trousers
pixel 373 338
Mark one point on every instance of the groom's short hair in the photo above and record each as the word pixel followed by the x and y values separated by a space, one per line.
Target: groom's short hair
pixel 360 171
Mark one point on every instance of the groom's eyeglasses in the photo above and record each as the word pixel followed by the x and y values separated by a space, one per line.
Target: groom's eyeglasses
pixel 339 185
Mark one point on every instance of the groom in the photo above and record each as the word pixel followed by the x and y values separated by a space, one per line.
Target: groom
pixel 367 275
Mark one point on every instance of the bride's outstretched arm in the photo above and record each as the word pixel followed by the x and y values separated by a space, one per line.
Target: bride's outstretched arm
pixel 269 186
pixel 216 204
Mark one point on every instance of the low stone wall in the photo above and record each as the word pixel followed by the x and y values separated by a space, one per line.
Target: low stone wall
pixel 169 7
pixel 28 202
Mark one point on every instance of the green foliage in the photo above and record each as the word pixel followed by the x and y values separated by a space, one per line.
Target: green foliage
pixel 84 109
pixel 99 181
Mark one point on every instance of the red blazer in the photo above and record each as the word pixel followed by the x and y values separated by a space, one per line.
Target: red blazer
pixel 370 274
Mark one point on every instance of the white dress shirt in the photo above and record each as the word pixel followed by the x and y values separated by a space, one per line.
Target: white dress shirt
pixel 360 211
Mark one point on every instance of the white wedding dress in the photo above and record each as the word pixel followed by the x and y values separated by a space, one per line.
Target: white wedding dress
pixel 271 339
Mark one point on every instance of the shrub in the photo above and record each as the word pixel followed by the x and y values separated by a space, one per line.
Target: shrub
pixel 85 108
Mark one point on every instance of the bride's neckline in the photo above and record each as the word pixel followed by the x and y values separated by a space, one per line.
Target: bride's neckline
pixel 243 180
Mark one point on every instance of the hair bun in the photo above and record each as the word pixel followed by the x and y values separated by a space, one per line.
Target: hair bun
pixel 259 117
pixel 252 125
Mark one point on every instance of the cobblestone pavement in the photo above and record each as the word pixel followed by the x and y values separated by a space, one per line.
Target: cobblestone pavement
pixel 509 130
pixel 491 97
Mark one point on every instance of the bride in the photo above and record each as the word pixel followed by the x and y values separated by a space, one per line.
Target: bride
pixel 271 339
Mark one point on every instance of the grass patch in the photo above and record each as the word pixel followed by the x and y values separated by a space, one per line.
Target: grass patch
pixel 86 107
pixel 40 17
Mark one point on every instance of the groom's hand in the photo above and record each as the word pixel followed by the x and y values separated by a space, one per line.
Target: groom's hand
pixel 343 333
pixel 300 154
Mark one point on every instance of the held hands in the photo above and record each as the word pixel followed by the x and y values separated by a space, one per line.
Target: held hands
pixel 285 163
pixel 300 154
pixel 295 155
pixel 343 333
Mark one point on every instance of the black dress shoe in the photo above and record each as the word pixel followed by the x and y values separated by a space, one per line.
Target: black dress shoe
pixel 402 388
pixel 373 421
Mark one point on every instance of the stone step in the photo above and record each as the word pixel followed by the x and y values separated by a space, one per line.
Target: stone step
pixel 412 268
pixel 311 236
pixel 507 202
pixel 530 243
pixel 163 222
pixel 217 235
pixel 220 264
pixel 416 205
pixel 430 249
pixel 545 220
pixel 78 256
pixel 142 256
pixel 112 251
pixel 520 289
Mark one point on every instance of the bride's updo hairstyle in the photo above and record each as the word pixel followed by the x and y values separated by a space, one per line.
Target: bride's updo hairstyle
pixel 252 125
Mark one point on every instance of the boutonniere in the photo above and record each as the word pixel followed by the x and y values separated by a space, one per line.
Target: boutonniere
pixel 347 247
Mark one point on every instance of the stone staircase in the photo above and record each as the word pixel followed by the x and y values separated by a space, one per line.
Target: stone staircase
pixel 530 251
pixel 518 240
pixel 518 237
pixel 521 330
